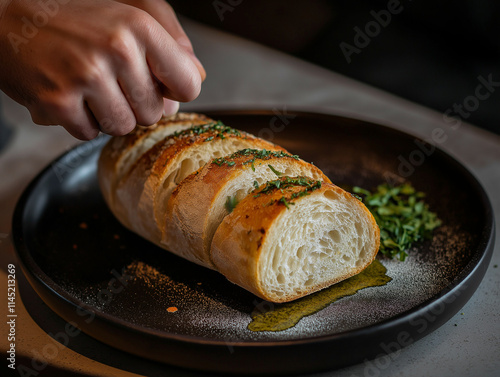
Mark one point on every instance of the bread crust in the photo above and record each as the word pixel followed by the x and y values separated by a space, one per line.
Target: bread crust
pixel 120 152
pixel 242 238
pixel 146 188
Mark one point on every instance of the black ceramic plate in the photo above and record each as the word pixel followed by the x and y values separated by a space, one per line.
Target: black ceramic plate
pixel 118 287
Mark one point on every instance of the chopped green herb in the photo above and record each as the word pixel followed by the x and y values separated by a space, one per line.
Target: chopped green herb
pixel 218 127
pixel 285 202
pixel 300 194
pixel 231 203
pixel 222 160
pixel 256 153
pixel 256 184
pixel 286 182
pixel 279 174
pixel 402 215
pixel 219 161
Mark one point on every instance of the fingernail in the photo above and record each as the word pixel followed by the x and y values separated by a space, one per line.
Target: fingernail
pixel 170 107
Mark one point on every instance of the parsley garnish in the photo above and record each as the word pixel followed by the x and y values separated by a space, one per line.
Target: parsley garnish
pixel 287 182
pixel 219 128
pixel 279 174
pixel 402 215
pixel 261 154
pixel 231 203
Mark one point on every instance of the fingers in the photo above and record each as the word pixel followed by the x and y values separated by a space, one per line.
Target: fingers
pixel 142 92
pixel 186 44
pixel 164 14
pixel 83 126
pixel 172 66
pixel 71 113
pixel 167 18
pixel 111 109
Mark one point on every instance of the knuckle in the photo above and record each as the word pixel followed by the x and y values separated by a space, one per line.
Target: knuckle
pixel 149 111
pixel 60 107
pixel 121 128
pixel 119 122
pixel 148 118
pixel 93 71
pixel 121 45
pixel 138 18
pixel 82 133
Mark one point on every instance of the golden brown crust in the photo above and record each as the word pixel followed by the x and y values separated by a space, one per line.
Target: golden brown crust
pixel 242 238
pixel 145 189
pixel 118 154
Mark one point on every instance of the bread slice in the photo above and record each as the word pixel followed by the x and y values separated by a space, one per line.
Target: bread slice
pixel 202 200
pixel 121 152
pixel 144 191
pixel 294 236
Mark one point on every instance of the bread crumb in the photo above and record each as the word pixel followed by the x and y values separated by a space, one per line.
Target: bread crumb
pixel 116 236
pixel 172 309
pixel 83 225
pixel 75 246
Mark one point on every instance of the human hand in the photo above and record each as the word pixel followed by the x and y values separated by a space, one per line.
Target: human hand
pixel 92 65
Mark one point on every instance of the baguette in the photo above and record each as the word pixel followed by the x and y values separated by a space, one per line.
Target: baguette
pixel 142 193
pixel 282 244
pixel 121 152
pixel 210 194
pixel 202 200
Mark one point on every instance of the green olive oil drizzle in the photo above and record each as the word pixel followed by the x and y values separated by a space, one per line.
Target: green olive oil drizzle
pixel 284 316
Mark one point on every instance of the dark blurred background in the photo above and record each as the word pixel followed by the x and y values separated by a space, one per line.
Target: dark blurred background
pixel 429 52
